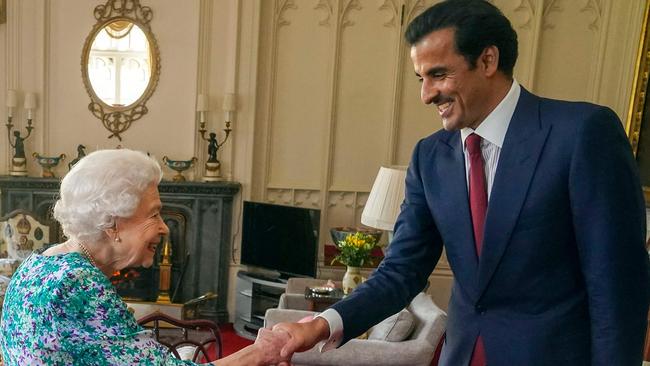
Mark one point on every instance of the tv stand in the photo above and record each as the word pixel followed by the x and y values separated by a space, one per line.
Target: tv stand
pixel 255 294
pixel 267 278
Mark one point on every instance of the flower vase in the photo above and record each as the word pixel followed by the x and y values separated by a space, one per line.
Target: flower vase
pixel 351 279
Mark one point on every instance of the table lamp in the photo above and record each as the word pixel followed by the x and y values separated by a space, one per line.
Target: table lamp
pixel 385 199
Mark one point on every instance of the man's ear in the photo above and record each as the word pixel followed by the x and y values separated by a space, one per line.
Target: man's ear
pixel 488 61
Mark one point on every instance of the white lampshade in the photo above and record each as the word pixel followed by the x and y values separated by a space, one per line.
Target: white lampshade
pixel 12 100
pixel 202 103
pixel 385 198
pixel 30 101
pixel 229 102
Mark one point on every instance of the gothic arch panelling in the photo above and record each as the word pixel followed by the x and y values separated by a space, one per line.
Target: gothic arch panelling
pixel 393 8
pixel 528 9
pixel 345 207
pixel 296 115
pixel 308 198
pixel 596 7
pixel 525 16
pixel 550 6
pixel 409 9
pixel 565 65
pixel 364 96
pixel 416 120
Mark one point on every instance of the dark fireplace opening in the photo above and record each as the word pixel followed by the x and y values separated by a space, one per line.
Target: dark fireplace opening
pixel 143 284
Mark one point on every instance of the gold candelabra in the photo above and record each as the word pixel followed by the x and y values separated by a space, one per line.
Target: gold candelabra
pixel 165 272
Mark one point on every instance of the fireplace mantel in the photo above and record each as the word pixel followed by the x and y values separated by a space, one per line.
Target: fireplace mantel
pixel 205 207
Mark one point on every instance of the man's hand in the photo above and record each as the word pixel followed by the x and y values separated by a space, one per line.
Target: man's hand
pixel 302 336
pixel 269 344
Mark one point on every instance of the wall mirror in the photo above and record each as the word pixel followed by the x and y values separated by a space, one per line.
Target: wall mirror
pixel 120 64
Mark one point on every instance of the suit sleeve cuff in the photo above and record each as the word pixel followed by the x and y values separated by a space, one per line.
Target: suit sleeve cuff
pixel 335 323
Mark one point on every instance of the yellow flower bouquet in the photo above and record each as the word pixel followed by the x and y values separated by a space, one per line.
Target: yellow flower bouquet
pixel 356 249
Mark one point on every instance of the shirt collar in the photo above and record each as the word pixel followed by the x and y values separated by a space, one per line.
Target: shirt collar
pixel 494 126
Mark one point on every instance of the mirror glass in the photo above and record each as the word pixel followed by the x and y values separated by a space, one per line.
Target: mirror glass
pixel 119 63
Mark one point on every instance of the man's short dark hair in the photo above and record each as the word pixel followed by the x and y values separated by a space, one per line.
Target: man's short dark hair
pixel 477 24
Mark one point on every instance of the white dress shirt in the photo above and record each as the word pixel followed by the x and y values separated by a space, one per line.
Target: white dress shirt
pixel 493 131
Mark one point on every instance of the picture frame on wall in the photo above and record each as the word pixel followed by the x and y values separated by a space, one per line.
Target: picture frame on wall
pixel 3 11
pixel 637 125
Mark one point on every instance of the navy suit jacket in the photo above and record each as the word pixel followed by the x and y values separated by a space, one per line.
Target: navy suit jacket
pixel 563 275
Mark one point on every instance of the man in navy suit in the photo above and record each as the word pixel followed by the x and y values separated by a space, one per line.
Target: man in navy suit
pixel 536 201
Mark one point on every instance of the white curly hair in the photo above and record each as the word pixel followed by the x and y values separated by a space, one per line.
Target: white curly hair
pixel 102 186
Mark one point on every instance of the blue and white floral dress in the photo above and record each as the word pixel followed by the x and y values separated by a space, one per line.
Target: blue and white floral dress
pixel 61 310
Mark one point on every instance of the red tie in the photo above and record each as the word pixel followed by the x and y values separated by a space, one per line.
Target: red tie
pixel 477 189
pixel 478 207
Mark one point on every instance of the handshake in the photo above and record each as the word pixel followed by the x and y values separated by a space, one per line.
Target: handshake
pixel 276 346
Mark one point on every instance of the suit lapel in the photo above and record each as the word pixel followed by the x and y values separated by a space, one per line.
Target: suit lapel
pixel 520 153
pixel 455 215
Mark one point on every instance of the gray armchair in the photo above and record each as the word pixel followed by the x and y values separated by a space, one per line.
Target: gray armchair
pixel 417 350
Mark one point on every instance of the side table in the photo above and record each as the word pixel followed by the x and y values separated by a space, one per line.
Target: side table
pixel 320 298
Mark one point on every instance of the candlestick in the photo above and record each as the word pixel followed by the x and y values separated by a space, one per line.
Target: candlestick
pixel 30 101
pixel 165 274
pixel 18 161
pixel 202 107
pixel 11 98
pixel 11 102
pixel 229 105
pixel 202 103
pixel 212 165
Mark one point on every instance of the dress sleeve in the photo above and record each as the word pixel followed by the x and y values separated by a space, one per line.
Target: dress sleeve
pixel 130 349
pixel 95 328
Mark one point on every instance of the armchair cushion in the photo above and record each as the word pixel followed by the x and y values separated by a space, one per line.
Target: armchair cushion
pixel 417 350
pixel 395 328
pixel 293 301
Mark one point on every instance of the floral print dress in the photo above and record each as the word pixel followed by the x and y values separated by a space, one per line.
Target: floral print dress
pixel 62 310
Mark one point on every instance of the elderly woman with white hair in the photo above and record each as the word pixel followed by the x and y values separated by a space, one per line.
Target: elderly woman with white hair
pixel 60 307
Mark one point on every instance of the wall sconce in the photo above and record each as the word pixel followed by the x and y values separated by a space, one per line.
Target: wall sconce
pixel 212 165
pixel 18 161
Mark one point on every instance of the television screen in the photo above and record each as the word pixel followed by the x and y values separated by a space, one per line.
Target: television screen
pixel 280 238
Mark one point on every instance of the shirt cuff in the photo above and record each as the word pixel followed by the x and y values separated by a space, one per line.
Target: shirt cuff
pixel 335 323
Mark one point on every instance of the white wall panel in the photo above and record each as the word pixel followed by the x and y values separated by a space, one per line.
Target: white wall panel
pixel 416 119
pixel 566 63
pixel 299 104
pixel 364 96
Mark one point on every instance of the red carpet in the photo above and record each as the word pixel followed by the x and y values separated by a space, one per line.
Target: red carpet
pixel 231 342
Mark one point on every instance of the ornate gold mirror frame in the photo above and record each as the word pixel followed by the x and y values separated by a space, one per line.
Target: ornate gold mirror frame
pixel 118 118
pixel 638 119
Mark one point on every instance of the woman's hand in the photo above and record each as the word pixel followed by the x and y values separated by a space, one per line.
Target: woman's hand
pixel 265 351
pixel 268 344
pixel 302 336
